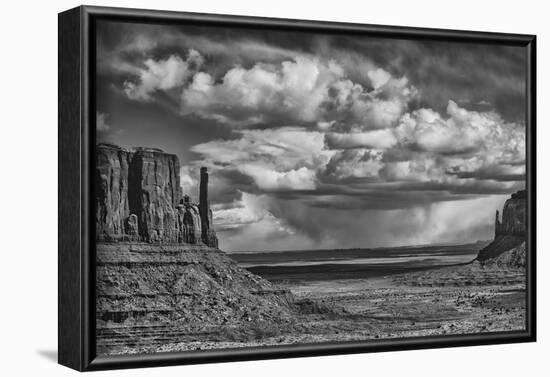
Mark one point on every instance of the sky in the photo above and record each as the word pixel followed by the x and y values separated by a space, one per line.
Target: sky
pixel 319 140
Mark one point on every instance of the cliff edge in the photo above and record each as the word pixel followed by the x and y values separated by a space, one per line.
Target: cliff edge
pixel 510 232
pixel 138 197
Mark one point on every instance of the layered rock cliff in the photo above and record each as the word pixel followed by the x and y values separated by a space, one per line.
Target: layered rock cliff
pixel 138 197
pixel 111 190
pixel 513 216
pixel 152 295
pixel 154 192
pixel 510 232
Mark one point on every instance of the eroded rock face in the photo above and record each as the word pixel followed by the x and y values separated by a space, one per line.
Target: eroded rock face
pixel 510 233
pixel 132 227
pixel 154 192
pixel 111 185
pixel 189 223
pixel 208 234
pixel 513 216
pixel 139 198
pixel 513 258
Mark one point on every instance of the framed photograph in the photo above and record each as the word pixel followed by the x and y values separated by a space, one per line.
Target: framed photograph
pixel 238 188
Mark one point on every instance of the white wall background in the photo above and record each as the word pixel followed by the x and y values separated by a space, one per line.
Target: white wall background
pixel 28 186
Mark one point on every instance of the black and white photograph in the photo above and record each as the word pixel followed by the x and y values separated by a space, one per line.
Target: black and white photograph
pixel 242 188
pixel 259 187
pixel 274 189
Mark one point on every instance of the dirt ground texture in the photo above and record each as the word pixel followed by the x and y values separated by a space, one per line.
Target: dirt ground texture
pixel 467 299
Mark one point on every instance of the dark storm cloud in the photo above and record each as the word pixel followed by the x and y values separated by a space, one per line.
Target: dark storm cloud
pixel 314 227
pixel 319 140
pixel 358 194
pixel 477 76
pixel 500 173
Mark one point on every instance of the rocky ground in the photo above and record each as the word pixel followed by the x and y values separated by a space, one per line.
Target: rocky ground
pixel 453 300
pixel 150 295
pixel 229 307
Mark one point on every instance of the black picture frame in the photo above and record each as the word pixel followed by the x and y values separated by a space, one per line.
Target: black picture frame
pixel 76 297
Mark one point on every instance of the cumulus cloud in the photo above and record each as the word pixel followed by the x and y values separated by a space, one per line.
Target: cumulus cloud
pixel 306 176
pixel 426 147
pixel 302 90
pixel 378 77
pixel 416 156
pixel 357 163
pixel 188 180
pixel 248 209
pixel 462 132
pixel 286 158
pixel 315 142
pixel 164 74
pixel 384 106
pixel 268 179
pixel 248 223
pixel 296 88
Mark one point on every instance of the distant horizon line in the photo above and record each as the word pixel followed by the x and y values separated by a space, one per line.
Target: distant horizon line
pixel 355 248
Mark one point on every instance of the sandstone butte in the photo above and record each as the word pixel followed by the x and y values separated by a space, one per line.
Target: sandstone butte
pixel 157 256
pixel 138 198
pixel 508 245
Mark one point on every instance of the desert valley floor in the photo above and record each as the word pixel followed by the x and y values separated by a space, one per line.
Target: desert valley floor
pixel 462 299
